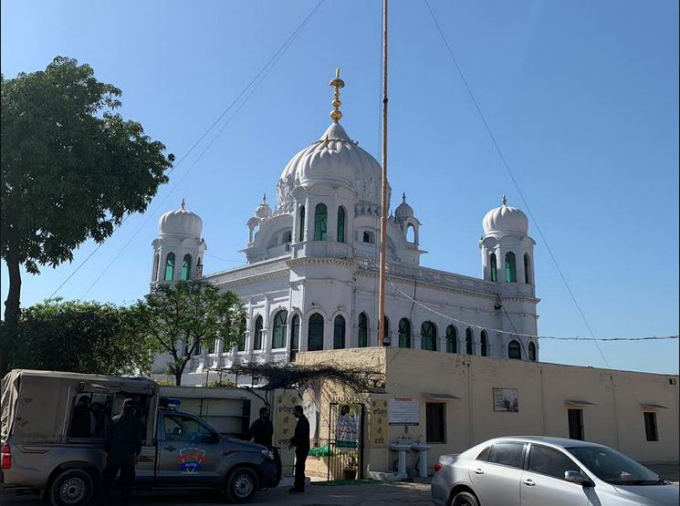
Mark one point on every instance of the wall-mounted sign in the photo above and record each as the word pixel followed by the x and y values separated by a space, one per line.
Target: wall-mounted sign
pixel 505 400
pixel 378 426
pixel 285 421
pixel 404 411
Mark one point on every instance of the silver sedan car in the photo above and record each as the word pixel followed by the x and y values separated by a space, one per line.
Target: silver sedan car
pixel 538 471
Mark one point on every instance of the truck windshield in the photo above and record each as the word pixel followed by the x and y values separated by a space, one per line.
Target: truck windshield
pixel 614 467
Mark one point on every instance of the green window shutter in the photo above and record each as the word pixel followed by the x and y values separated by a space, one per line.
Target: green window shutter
pixel 339 333
pixel 510 268
pixel 170 267
pixel 341 224
pixel 186 268
pixel 320 222
pixel 363 330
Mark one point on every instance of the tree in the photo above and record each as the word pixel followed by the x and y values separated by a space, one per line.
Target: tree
pixel 84 337
pixel 184 317
pixel 72 169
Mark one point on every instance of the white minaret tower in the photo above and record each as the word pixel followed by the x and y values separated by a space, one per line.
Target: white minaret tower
pixel 178 250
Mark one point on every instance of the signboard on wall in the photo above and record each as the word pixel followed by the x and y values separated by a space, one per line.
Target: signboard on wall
pixel 285 421
pixel 404 411
pixel 505 400
pixel 378 428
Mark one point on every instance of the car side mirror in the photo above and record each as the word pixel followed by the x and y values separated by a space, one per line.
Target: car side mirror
pixel 578 478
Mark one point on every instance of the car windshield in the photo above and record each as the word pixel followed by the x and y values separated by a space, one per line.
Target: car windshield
pixel 614 467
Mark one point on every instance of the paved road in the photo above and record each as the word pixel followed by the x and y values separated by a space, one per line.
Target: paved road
pixel 412 494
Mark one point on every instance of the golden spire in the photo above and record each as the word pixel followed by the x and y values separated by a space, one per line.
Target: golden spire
pixel 336 83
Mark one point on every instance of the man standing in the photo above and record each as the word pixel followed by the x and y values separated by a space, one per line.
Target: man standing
pixel 262 433
pixel 123 446
pixel 300 441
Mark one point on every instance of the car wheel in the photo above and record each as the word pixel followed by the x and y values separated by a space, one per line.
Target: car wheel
pixel 242 485
pixel 71 487
pixel 464 499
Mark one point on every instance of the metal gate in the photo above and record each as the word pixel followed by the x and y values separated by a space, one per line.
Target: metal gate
pixel 346 441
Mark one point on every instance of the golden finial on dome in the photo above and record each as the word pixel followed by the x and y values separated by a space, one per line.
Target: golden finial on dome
pixel 337 83
pixel 504 200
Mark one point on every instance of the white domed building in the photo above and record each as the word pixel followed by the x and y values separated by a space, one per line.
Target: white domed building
pixel 311 278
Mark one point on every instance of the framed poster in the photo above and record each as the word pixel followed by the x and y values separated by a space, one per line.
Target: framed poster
pixel 505 400
pixel 403 411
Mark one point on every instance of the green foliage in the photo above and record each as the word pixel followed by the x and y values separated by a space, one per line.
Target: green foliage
pixel 221 384
pixel 72 168
pixel 180 318
pixel 83 337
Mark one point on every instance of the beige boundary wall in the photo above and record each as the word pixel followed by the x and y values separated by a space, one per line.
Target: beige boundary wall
pixel 613 402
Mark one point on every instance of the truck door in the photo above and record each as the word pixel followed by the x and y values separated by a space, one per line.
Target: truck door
pixel 189 452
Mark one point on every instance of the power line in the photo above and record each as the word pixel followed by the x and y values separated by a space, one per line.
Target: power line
pixel 514 181
pixel 252 86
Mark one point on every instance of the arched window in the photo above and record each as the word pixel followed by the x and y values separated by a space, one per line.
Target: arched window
pixel 301 225
pixel 411 234
pixel 186 268
pixel 294 337
pixel 259 324
pixel 404 333
pixel 287 237
pixel 241 344
pixel 428 336
pixel 527 269
pixel 363 331
pixel 386 331
pixel 341 224
pixel 514 350
pixel 320 222
pixel 532 351
pixel 469 342
pixel 510 268
pixel 169 267
pixel 368 237
pixel 484 341
pixel 279 330
pixel 451 339
pixel 493 267
pixel 339 333
pixel 315 333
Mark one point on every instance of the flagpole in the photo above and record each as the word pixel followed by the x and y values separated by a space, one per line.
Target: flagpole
pixel 384 207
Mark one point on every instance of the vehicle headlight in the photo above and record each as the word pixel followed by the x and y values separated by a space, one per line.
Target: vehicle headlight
pixel 268 454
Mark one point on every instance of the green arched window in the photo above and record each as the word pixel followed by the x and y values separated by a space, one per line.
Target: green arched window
pixel 294 337
pixel 428 336
pixel 451 339
pixel 404 333
pixel 339 333
pixel 279 330
pixel 527 269
pixel 493 267
pixel 341 224
pixel 186 268
pixel 363 331
pixel 301 225
pixel 532 351
pixel 315 331
pixel 469 342
pixel 484 342
pixel 320 222
pixel 386 331
pixel 259 325
pixel 169 267
pixel 514 350
pixel 510 268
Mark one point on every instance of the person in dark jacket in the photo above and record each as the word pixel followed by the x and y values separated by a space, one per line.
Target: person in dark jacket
pixel 262 433
pixel 123 446
pixel 300 441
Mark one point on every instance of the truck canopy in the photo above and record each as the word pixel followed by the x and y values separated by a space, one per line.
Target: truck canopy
pixel 36 404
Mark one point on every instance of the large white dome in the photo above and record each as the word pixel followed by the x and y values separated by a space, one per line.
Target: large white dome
pixel 333 159
pixel 181 221
pixel 505 219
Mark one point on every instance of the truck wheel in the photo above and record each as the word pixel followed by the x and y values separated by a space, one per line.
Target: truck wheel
pixel 242 485
pixel 71 487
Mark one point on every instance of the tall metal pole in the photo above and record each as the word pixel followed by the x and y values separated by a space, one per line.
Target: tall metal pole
pixel 383 213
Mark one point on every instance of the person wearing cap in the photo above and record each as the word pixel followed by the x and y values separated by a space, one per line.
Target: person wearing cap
pixel 123 446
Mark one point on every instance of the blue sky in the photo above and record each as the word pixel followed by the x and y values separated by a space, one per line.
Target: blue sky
pixel 582 97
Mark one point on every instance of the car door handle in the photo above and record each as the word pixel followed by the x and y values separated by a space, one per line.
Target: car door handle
pixel 529 482
pixel 170 448
pixel 479 471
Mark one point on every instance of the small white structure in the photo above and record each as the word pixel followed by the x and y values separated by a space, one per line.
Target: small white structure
pixel 310 282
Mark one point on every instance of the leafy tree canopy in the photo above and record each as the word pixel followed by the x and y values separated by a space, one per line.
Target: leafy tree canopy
pixel 186 316
pixel 83 337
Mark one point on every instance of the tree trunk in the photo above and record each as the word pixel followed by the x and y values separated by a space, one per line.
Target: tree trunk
pixel 12 307
pixel 178 378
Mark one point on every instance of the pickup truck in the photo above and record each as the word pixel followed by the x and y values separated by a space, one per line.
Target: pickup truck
pixel 51 439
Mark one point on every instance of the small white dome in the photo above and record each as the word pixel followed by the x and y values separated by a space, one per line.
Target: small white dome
pixel 404 210
pixel 334 159
pixel 505 219
pixel 263 210
pixel 181 221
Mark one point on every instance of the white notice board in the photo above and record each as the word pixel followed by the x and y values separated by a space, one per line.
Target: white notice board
pixel 403 411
